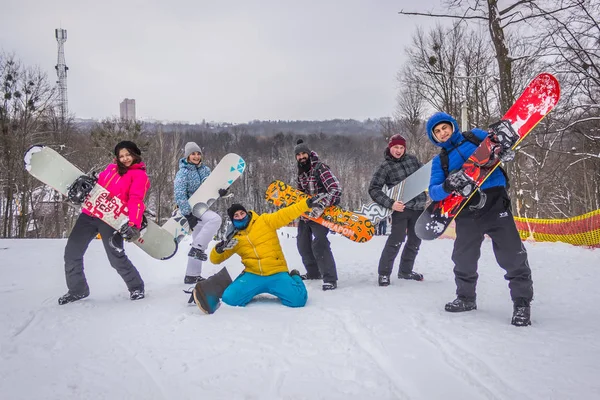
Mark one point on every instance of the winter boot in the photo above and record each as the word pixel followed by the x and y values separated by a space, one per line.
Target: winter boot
pixel 307 277
pixel 461 304
pixel 136 294
pixel 329 285
pixel 521 312
pixel 198 254
pixel 384 280
pixel 415 276
pixel 208 292
pixel 191 280
pixel 295 272
pixel 69 298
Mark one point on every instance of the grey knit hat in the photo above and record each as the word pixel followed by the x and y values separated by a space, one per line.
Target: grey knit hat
pixel 191 147
pixel 301 147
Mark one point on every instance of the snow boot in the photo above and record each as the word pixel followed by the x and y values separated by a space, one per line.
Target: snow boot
pixel 137 294
pixel 295 272
pixel 69 298
pixel 415 276
pixel 461 304
pixel 329 285
pixel 521 312
pixel 191 280
pixel 208 292
pixel 198 254
pixel 307 277
pixel 383 280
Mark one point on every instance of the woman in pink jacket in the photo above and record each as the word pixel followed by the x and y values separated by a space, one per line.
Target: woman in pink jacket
pixel 127 180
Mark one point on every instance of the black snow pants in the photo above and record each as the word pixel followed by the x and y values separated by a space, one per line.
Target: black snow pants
pixel 84 231
pixel 496 220
pixel 316 252
pixel 403 224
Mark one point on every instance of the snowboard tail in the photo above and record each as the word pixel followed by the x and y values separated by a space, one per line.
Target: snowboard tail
pixel 351 225
pixel 536 101
pixel 52 169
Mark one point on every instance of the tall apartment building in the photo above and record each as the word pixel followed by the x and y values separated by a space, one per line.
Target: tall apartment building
pixel 128 109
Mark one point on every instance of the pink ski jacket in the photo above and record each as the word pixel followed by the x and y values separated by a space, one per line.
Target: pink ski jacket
pixel 130 188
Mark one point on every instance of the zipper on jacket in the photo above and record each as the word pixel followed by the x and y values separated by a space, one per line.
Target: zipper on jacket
pixel 255 252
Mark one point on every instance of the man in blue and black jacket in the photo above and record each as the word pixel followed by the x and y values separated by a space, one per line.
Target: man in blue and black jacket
pixel 493 217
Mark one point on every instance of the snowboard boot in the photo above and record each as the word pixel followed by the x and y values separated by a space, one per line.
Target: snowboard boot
pixel 383 280
pixel 329 285
pixel 461 304
pixel 412 275
pixel 137 294
pixel 295 272
pixel 521 312
pixel 307 277
pixel 198 254
pixel 69 298
pixel 191 280
pixel 208 292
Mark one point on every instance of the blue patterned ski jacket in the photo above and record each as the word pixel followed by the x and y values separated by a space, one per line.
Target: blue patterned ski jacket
pixel 187 181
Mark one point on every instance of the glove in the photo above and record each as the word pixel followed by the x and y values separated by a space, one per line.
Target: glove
pixel 459 183
pixel 317 200
pixel 130 233
pixel 223 192
pixel 192 220
pixel 225 245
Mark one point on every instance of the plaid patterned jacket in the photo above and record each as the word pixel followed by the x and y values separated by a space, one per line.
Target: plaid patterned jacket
pixel 320 179
pixel 390 173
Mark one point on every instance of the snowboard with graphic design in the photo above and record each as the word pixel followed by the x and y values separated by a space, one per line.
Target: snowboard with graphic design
pixel 230 168
pixel 52 169
pixel 355 227
pixel 537 100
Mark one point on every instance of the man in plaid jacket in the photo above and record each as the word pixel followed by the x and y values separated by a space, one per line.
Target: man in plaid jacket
pixel 396 167
pixel 314 177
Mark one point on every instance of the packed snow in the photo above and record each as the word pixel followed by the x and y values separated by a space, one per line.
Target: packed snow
pixel 360 341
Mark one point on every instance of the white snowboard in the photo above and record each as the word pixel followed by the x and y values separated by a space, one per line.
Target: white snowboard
pixel 222 176
pixel 405 191
pixel 54 170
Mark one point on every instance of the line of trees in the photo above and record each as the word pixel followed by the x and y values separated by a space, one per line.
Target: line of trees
pixel 555 175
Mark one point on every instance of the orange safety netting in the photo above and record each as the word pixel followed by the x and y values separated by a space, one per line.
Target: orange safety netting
pixel 582 230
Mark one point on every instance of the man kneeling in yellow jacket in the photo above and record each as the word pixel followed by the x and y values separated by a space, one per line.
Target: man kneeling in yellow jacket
pixel 255 240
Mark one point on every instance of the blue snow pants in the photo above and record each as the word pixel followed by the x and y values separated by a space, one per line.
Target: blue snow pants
pixel 289 289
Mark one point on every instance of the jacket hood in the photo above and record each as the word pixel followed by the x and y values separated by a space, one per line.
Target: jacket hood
pixel 139 165
pixel 184 164
pixel 443 117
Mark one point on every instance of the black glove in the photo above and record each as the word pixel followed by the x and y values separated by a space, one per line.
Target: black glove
pixel 459 183
pixel 317 200
pixel 225 245
pixel 223 192
pixel 130 233
pixel 192 220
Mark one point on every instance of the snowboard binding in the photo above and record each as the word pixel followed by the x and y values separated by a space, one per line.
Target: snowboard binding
pixel 80 189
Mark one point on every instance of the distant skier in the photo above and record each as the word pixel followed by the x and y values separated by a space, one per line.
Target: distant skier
pixel 127 180
pixel 314 177
pixel 396 167
pixel 254 238
pixel 192 173
pixel 493 218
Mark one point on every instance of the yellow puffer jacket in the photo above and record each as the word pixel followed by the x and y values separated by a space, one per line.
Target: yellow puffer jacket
pixel 258 244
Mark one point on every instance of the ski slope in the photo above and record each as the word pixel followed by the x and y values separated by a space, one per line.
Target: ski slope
pixel 358 342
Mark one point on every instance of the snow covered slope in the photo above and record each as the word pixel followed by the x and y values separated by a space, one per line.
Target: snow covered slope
pixel 358 342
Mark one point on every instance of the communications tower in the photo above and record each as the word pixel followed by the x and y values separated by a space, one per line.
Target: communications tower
pixel 61 71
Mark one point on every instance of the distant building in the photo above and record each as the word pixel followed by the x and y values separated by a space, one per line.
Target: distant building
pixel 128 109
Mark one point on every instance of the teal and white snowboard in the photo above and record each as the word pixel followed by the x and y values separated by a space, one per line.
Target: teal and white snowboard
pixel 405 191
pixel 54 170
pixel 222 176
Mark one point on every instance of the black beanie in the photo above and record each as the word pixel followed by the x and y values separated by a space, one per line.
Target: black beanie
pixel 126 144
pixel 301 147
pixel 235 207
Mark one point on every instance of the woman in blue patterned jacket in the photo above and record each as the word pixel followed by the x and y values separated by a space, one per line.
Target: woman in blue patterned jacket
pixel 192 173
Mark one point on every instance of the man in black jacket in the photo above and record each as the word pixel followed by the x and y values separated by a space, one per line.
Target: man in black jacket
pixel 396 167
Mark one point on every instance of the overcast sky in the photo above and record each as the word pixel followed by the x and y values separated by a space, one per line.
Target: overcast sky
pixel 234 61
